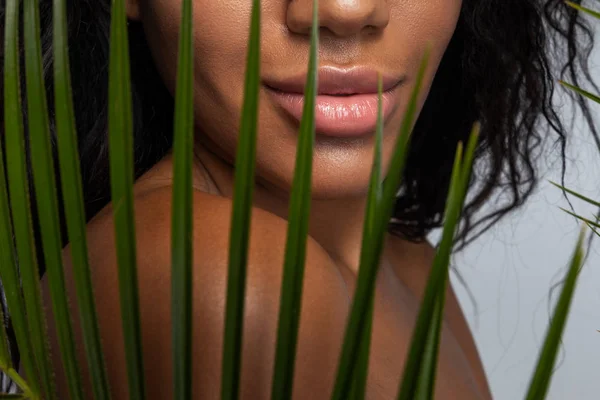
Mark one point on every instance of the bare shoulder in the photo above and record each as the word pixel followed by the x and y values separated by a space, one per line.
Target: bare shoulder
pixel 324 308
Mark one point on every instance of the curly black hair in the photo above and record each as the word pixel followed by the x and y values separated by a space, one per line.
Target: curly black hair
pixel 501 68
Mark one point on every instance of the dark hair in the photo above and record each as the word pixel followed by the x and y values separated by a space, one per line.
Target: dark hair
pixel 501 68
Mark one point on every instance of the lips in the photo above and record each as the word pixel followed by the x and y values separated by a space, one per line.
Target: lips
pixel 346 101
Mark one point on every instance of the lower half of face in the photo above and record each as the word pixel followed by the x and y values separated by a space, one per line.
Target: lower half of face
pixel 358 40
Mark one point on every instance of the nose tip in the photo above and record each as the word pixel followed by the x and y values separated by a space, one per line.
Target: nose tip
pixel 341 17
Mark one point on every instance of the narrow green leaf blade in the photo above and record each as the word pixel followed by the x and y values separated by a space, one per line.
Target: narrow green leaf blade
pixel 583 219
pixel 540 382
pixel 241 216
pixel 582 92
pixel 121 174
pixel 372 247
pixel 45 187
pixel 576 194
pixel 358 388
pixel 19 197
pixel 593 229
pixel 74 204
pixel 25 388
pixel 13 128
pixel 361 368
pixel 436 284
pixel 5 361
pixel 181 228
pixel 586 10
pixel 426 384
pixel 295 251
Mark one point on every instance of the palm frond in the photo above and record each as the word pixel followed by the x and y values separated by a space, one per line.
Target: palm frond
pixel 241 216
pixel 295 248
pixel 372 247
pixel 72 193
pixel 181 211
pixel 361 369
pixel 120 128
pixel 436 284
pixel 540 382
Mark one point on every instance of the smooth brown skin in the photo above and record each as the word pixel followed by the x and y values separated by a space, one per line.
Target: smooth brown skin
pixel 389 36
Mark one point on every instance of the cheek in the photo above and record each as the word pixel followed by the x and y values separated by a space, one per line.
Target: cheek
pixel 220 34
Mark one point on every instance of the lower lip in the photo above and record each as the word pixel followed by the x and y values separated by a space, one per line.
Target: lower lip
pixel 341 116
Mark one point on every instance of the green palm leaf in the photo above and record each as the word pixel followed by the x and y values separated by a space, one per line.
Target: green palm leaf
pixel 459 184
pixel 5 361
pixel 241 216
pixel 13 128
pixel 583 219
pixel 181 229
pixel 426 384
pixel 578 195
pixel 19 199
pixel 121 174
pixel 422 333
pixel 295 249
pixel 45 187
pixel 372 248
pixel 588 11
pixel 73 202
pixel 543 372
pixel 582 92
pixel 361 369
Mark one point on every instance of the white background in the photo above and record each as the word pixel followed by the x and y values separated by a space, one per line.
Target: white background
pixel 511 269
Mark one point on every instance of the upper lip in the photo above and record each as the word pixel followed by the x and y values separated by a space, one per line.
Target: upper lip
pixel 337 81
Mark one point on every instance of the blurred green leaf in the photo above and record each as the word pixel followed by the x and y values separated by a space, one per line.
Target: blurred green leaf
pixel 20 382
pixel 543 372
pixel 576 194
pixel 295 249
pixel 19 200
pixel 588 11
pixel 13 128
pixel 42 163
pixel 5 361
pixel 581 91
pixel 372 246
pixel 418 380
pixel 74 203
pixel 241 216
pixel 181 211
pixel 426 384
pixel 121 173
pixel 436 285
pixel 588 221
pixel 593 229
pixel 361 368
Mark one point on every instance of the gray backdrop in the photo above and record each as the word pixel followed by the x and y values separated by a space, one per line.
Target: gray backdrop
pixel 511 269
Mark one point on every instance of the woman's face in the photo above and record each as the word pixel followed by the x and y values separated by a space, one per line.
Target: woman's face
pixel 358 38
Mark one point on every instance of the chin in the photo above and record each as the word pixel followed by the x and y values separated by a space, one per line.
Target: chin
pixel 329 192
pixel 339 186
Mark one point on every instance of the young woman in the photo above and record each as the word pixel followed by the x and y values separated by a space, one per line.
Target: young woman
pixel 493 61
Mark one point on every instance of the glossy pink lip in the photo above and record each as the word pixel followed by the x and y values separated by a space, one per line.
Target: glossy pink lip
pixel 346 103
